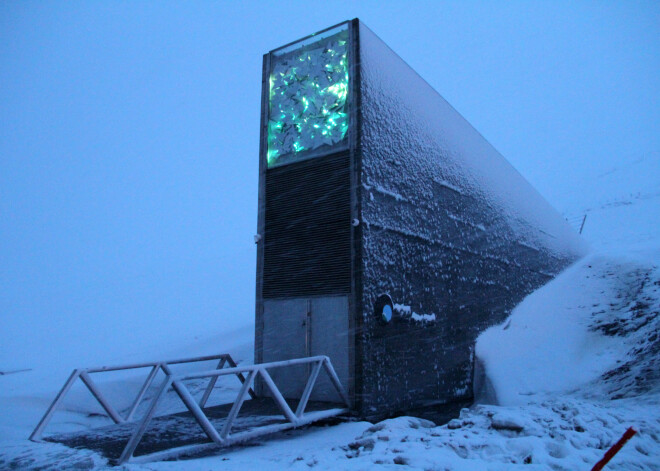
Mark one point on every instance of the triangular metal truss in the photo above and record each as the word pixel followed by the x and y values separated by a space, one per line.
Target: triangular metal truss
pixel 226 366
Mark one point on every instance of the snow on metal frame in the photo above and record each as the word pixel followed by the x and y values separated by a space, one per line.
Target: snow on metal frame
pixel 219 439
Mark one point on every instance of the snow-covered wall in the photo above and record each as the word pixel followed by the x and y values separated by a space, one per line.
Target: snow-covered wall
pixel 449 229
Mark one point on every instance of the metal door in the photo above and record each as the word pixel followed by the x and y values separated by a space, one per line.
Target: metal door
pixel 295 328
pixel 285 337
pixel 329 336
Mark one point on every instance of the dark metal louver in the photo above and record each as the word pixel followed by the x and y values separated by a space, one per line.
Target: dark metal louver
pixel 307 235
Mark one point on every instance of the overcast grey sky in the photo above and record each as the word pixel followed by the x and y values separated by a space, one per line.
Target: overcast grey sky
pixel 129 138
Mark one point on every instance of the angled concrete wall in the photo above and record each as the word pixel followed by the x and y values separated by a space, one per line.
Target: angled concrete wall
pixel 449 229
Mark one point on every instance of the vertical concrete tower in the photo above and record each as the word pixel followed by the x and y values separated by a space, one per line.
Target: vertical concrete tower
pixel 391 233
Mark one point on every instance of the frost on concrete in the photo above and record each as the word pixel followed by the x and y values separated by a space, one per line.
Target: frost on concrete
pixel 450 229
pixel 610 303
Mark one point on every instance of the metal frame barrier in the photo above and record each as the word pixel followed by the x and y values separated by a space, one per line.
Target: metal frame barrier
pixel 175 381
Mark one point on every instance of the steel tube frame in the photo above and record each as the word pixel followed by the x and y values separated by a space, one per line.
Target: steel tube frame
pixel 112 413
pixel 132 366
pixel 84 375
pixel 316 369
pixel 143 391
pixel 224 438
pixel 176 382
pixel 211 385
pixel 142 425
pixel 38 431
pixel 238 403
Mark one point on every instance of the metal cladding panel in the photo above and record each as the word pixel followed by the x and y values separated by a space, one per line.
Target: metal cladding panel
pixel 299 327
pixel 307 233
pixel 330 337
pixel 450 231
pixel 284 339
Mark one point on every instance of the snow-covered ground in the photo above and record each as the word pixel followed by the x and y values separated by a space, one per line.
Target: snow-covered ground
pixel 576 364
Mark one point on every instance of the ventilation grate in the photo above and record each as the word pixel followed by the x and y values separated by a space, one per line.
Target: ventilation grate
pixel 307 228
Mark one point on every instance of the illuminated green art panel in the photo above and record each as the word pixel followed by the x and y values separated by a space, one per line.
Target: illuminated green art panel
pixel 308 106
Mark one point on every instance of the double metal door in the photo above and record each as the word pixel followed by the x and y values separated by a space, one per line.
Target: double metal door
pixel 303 327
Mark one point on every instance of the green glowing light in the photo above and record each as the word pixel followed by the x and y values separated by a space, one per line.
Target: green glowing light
pixel 308 96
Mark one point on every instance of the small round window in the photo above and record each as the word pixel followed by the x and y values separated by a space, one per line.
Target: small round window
pixel 384 308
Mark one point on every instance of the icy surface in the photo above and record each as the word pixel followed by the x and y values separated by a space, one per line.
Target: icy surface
pixel 544 428
pixel 621 207
pixel 598 320
pixel 560 414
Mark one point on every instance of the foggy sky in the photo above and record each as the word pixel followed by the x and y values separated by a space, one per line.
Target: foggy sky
pixel 129 140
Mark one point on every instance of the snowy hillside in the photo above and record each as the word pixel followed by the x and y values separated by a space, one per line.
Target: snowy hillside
pixel 622 209
pixel 576 364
